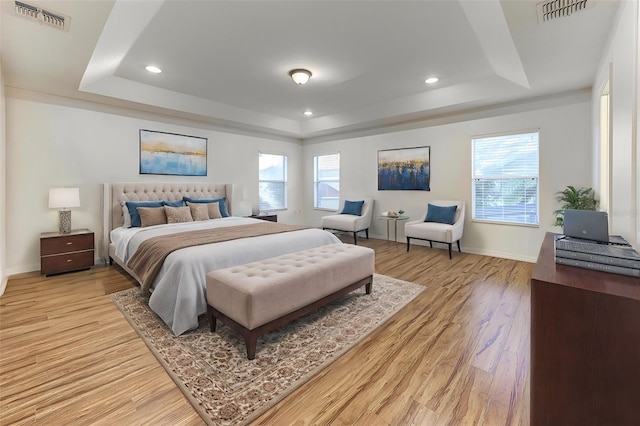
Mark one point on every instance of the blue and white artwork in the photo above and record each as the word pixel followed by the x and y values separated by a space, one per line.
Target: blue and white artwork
pixel 404 169
pixel 172 154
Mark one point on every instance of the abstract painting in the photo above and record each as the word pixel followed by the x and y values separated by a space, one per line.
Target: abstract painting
pixel 404 169
pixel 172 154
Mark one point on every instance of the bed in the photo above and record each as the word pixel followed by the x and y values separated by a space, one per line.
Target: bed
pixel 178 291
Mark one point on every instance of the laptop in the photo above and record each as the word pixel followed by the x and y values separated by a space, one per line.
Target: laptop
pixel 586 225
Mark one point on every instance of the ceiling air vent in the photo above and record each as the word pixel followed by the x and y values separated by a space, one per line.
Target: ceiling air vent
pixel 554 9
pixel 43 16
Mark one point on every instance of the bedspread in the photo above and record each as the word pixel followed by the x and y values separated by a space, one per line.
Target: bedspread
pixel 178 292
pixel 147 261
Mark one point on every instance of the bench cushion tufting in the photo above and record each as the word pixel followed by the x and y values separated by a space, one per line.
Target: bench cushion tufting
pixel 259 292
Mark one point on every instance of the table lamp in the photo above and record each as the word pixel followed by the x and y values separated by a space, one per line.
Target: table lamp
pixel 63 199
pixel 243 207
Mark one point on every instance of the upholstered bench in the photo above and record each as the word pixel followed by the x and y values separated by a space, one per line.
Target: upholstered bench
pixel 258 297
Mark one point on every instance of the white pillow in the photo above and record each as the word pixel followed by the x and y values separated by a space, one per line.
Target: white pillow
pixel 125 215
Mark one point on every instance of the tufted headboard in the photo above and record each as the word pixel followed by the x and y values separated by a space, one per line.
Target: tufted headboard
pixel 115 193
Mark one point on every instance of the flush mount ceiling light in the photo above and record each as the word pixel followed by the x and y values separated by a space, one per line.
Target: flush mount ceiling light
pixel 153 69
pixel 431 80
pixel 308 113
pixel 300 76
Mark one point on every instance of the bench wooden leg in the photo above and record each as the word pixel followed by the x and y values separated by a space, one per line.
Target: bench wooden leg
pixel 251 336
pixel 212 319
pixel 251 341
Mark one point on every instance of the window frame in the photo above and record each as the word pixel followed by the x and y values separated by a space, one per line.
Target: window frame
pixel 316 181
pixel 505 177
pixel 284 182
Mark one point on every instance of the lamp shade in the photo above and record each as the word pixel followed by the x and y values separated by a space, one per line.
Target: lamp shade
pixel 243 208
pixel 63 198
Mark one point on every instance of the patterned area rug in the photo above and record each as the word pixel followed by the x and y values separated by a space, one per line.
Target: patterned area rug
pixel 227 389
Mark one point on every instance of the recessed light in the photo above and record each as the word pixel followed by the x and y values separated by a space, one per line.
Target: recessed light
pixel 308 113
pixel 153 69
pixel 431 80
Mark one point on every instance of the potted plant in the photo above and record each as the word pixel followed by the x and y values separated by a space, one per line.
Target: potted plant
pixel 576 199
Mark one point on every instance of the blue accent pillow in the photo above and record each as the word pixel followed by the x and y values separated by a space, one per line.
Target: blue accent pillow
pixel 222 201
pixel 441 214
pixel 177 203
pixel 352 207
pixel 132 206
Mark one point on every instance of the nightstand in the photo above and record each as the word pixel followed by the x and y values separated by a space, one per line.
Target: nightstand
pixel 269 217
pixel 66 252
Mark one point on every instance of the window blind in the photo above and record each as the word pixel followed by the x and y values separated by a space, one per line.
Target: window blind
pixel 327 181
pixel 272 184
pixel 505 178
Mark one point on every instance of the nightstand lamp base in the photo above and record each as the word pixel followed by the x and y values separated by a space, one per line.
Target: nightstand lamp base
pixel 64 221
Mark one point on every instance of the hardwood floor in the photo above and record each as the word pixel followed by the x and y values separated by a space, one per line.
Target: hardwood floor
pixel 458 354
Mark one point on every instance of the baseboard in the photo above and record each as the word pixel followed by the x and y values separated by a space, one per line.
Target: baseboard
pixel 22 270
pixel 3 285
pixel 36 268
pixel 439 246
pixel 473 250
pixel 500 254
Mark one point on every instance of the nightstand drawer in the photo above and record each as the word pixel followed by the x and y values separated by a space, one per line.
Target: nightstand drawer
pixel 66 244
pixel 66 262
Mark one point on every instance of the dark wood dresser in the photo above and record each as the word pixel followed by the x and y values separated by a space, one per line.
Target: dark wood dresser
pixel 66 252
pixel 585 345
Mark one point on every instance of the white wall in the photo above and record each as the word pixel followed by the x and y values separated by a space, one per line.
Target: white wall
pixel 57 143
pixel 621 57
pixel 51 144
pixel 3 179
pixel 565 159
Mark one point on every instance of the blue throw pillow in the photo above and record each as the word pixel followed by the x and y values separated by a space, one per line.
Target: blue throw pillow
pixel 177 203
pixel 222 201
pixel 352 207
pixel 441 214
pixel 132 206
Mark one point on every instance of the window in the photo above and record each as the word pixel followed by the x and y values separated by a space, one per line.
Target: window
pixel 605 149
pixel 505 178
pixel 272 185
pixel 326 181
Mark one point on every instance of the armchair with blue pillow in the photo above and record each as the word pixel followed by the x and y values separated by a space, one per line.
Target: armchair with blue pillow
pixel 443 223
pixel 355 216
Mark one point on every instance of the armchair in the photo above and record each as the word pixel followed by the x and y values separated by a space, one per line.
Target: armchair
pixel 351 222
pixel 436 230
